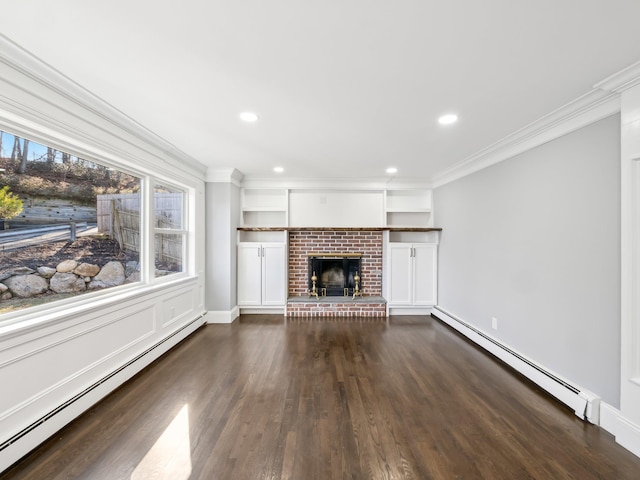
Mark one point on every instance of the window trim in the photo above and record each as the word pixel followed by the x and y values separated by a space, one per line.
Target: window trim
pixel 184 231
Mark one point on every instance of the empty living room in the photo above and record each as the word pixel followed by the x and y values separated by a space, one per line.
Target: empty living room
pixel 258 240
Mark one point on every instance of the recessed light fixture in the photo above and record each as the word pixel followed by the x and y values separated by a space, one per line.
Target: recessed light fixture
pixel 392 170
pixel 448 119
pixel 278 169
pixel 248 117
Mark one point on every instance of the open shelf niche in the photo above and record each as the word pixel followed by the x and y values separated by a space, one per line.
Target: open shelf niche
pixel 408 208
pixel 264 207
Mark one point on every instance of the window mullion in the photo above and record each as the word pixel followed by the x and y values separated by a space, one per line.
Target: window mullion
pixel 147 230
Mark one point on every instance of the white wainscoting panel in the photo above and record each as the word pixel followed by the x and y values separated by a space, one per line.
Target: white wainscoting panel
pixel 51 374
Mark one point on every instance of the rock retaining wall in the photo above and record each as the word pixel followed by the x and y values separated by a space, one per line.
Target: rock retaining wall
pixel 68 276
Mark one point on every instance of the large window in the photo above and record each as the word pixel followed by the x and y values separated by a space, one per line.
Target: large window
pixel 71 225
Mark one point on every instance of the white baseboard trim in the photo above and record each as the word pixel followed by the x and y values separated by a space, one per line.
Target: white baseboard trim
pixel 584 403
pixel 31 437
pixel 412 310
pixel 628 435
pixel 262 310
pixel 625 432
pixel 223 316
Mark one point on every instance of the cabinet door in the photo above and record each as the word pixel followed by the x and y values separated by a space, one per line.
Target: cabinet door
pixel 400 261
pixel 273 274
pixel 425 283
pixel 249 273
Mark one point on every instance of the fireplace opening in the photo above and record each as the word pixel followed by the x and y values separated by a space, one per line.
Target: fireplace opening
pixel 335 275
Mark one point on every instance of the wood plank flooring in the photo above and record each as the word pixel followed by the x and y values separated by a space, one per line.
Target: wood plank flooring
pixel 266 398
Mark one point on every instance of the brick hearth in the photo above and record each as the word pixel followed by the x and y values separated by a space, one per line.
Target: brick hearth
pixel 335 241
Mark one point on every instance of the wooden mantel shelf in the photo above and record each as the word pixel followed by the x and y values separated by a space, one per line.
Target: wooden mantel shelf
pixel 339 229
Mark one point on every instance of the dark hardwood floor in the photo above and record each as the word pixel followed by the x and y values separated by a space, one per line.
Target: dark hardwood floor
pixel 265 399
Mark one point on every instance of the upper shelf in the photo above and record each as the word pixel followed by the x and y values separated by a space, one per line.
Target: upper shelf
pixel 418 200
pixel 264 199
pixel 408 210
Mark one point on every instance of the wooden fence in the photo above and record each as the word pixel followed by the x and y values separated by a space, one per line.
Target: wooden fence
pixel 119 217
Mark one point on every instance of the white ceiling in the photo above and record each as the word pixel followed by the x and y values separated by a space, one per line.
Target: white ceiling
pixel 343 88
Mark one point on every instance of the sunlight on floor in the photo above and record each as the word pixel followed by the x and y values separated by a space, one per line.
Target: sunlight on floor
pixel 170 456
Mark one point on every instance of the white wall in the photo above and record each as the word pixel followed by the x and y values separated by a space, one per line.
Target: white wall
pixel 222 217
pixel 535 242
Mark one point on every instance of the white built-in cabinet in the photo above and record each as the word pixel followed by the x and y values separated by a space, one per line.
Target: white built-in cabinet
pixel 261 274
pixel 412 274
pixel 411 271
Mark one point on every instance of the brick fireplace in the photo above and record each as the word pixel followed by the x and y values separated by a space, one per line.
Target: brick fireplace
pixel 307 243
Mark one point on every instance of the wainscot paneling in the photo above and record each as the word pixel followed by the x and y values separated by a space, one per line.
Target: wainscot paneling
pixel 47 368
pixel 176 307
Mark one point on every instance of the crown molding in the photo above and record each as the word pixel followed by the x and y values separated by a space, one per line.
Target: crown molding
pixel 25 63
pixel 226 175
pixel 622 80
pixel 585 110
pixel 601 102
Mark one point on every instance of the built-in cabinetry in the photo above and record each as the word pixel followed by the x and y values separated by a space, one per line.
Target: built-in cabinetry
pixel 261 274
pixel 411 265
pixel 336 207
pixel 410 261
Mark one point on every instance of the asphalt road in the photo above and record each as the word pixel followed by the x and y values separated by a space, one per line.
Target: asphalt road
pixel 35 236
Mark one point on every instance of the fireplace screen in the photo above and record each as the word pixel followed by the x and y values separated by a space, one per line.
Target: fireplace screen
pixel 335 275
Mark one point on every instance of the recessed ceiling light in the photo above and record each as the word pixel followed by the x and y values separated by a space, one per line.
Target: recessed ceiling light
pixel 392 170
pixel 278 169
pixel 448 119
pixel 249 117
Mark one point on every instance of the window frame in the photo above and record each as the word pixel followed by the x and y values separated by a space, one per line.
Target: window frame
pixel 184 231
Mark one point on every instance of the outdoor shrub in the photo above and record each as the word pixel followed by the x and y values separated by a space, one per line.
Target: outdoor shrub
pixel 10 204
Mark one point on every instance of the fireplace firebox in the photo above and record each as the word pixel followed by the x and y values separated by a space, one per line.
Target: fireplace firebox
pixel 335 274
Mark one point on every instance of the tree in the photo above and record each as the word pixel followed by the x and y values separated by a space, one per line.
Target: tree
pixel 23 161
pixel 51 155
pixel 10 204
pixel 16 153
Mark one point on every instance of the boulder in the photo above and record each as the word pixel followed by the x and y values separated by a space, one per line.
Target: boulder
pixel 46 272
pixel 3 288
pixel 133 278
pixel 66 266
pixel 12 272
pixel 86 270
pixel 110 275
pixel 6 296
pixel 26 286
pixel 131 266
pixel 67 283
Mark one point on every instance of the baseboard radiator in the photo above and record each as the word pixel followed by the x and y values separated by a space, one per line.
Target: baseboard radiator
pixel 584 403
